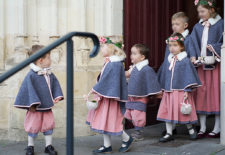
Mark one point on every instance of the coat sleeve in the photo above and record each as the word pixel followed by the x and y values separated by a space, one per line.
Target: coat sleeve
pixel 56 89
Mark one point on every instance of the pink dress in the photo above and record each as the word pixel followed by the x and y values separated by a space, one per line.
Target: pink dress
pixel 208 96
pixel 169 110
pixel 137 117
pixel 107 118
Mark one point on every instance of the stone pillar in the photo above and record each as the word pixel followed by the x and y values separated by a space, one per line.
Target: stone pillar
pixel 222 115
pixel 2 34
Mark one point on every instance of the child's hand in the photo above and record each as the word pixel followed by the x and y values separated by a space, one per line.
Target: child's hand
pixel 127 74
pixel 56 100
pixel 32 108
pixel 185 95
pixel 193 60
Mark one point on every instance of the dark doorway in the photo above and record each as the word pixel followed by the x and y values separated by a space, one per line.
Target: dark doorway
pixel 149 22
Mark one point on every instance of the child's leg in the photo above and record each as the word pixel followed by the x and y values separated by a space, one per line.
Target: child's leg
pixel 30 140
pixel 107 140
pixel 217 125
pixel 125 137
pixel 126 142
pixel 106 148
pixel 48 137
pixel 169 129
pixel 202 123
pixel 190 129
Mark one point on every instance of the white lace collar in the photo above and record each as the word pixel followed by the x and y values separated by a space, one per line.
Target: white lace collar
pixel 141 64
pixel 180 56
pixel 115 58
pixel 36 68
pixel 212 21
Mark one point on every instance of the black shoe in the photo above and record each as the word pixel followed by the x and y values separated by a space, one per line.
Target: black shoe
pixel 174 132
pixel 30 150
pixel 104 150
pixel 193 136
pixel 169 138
pixel 50 150
pixel 127 145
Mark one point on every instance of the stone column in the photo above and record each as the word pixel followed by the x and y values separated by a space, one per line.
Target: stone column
pixel 2 34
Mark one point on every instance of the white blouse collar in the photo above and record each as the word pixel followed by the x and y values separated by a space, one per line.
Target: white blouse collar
pixel 115 58
pixel 185 33
pixel 180 56
pixel 212 21
pixel 141 64
pixel 35 68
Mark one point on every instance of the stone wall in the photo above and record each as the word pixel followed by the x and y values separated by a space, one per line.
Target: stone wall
pixel 28 22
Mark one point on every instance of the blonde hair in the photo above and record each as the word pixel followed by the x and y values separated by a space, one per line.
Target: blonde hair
pixel 180 15
pixel 114 50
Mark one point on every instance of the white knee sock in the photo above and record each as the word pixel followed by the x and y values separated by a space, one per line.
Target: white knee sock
pixel 30 141
pixel 202 122
pixel 217 124
pixel 107 140
pixel 169 129
pixel 189 126
pixel 48 140
pixel 125 138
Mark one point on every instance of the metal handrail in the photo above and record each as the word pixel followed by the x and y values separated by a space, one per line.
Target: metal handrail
pixel 66 38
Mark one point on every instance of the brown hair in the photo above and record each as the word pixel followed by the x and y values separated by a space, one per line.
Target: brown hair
pixel 180 43
pixel 180 15
pixel 214 14
pixel 143 49
pixel 34 49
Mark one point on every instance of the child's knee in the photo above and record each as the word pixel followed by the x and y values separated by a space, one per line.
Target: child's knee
pixel 33 135
pixel 49 132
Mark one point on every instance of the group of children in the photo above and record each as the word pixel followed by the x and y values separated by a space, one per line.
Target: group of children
pixel 185 77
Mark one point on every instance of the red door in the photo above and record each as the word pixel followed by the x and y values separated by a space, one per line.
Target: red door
pixel 149 22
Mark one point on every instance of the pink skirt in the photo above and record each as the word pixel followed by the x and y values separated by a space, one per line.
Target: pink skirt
pixel 207 97
pixel 39 122
pixel 169 110
pixel 107 118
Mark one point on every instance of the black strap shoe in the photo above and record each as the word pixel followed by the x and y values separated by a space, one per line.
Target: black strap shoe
pixel 167 139
pixel 174 132
pixel 50 150
pixel 127 145
pixel 29 150
pixel 193 136
pixel 103 149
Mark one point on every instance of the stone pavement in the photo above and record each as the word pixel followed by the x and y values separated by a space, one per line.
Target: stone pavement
pixel 149 146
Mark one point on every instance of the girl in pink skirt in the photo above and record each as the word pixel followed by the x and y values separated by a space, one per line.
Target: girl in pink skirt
pixel 179 80
pixel 111 92
pixel 206 40
pixel 38 93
